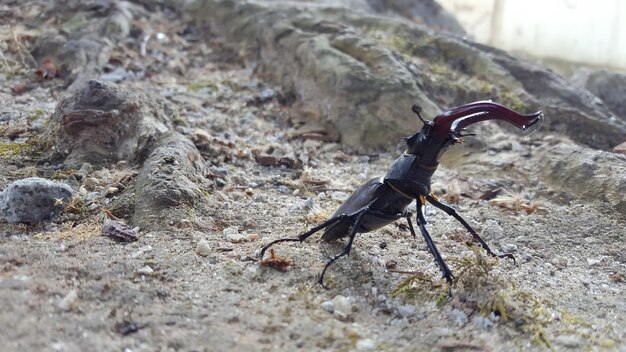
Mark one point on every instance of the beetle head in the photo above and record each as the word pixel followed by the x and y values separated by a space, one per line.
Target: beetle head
pixel 446 129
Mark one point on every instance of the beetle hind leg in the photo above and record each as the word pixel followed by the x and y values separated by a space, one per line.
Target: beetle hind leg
pixel 348 247
pixel 307 234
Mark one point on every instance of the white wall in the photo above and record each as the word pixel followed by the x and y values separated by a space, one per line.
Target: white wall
pixel 583 31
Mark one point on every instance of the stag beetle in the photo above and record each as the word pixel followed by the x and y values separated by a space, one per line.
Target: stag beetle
pixel 383 200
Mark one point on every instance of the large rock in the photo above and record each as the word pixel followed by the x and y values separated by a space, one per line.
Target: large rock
pixel 609 86
pixel 427 12
pixel 359 74
pixel 101 124
pixel 171 182
pixel 33 200
pixel 592 174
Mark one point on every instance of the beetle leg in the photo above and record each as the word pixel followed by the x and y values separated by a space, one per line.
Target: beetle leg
pixel 421 222
pixel 307 234
pixel 408 219
pixel 450 211
pixel 348 247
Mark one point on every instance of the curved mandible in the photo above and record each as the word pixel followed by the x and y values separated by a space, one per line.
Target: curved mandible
pixel 455 120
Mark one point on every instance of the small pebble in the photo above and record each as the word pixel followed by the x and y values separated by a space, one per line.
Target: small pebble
pixel 201 136
pixel 328 306
pixel 459 317
pixel 58 346
pixel 366 345
pixel 569 341
pixel 339 196
pixel 68 301
pixel 492 230
pixel 399 323
pixel 185 224
pixel 482 322
pixel 342 307
pixel 203 248
pixel 593 261
pixel 142 250
pixel 267 94
pixel 232 235
pixel 111 191
pixel 91 183
pixel 509 248
pixel 145 270
pixel 406 311
pixel 442 332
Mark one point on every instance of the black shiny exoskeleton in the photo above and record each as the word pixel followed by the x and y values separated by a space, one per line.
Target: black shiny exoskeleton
pixel 383 200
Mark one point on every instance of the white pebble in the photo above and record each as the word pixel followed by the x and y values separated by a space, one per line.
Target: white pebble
pixel 570 341
pixel 366 345
pixel 328 306
pixel 68 301
pixel 235 237
pixel 145 270
pixel 203 248
pixel 509 248
pixel 111 190
pixel 232 234
pixel 339 196
pixel 142 250
pixel 343 307
pixel 593 261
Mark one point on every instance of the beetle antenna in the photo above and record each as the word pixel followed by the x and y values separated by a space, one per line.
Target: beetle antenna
pixel 417 109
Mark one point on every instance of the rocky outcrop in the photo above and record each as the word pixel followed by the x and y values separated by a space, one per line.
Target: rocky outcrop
pixel 359 74
pixel 609 86
pixel 101 124
pixel 594 174
pixel 171 182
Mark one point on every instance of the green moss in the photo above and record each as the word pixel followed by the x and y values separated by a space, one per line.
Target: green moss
pixel 32 149
pixel 63 175
pixel 194 87
pixel 179 121
pixel 8 150
pixel 37 112
pixel 419 287
pixel 197 86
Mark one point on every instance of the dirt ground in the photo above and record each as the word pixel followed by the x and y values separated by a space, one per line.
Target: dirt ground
pixel 65 287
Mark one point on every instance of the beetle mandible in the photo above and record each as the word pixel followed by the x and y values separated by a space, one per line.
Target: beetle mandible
pixel 383 200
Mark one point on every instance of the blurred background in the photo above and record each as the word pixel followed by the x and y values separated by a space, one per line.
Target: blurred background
pixel 557 32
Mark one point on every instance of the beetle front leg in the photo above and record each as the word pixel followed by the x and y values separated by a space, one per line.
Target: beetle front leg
pixel 408 215
pixel 421 222
pixel 450 211
pixel 304 236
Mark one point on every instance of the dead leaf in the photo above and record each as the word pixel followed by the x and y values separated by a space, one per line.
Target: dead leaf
pixel 47 69
pixel 277 262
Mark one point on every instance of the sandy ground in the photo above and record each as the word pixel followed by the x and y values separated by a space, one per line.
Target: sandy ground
pixel 65 287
